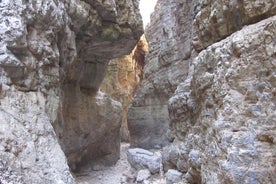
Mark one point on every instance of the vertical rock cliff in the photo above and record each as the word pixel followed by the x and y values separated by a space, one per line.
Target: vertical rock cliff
pixel 166 66
pixel 123 77
pixel 53 57
pixel 221 117
pixel 89 122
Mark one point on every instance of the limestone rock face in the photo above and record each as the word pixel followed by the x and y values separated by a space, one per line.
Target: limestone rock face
pixel 123 77
pixel 221 117
pixel 215 20
pixel 29 149
pixel 107 30
pixel 166 66
pixel 225 111
pixel 53 55
pixel 95 138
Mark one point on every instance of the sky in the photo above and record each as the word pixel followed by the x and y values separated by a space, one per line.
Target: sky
pixel 146 8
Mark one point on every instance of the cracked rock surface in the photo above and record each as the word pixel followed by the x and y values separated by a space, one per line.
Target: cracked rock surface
pixel 208 90
pixel 53 57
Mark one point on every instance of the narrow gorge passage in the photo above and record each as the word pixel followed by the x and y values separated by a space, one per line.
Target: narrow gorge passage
pixel 196 103
pixel 112 175
pixel 120 173
pixel 123 78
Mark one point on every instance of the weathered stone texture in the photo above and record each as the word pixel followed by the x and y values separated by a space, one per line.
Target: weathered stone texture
pixel 144 159
pixel 215 20
pixel 225 112
pixel 53 55
pixel 123 77
pixel 105 32
pixel 166 66
pixel 222 113
pixel 95 138
pixel 29 150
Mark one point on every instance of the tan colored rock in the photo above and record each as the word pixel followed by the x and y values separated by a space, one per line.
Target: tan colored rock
pixel 95 139
pixel 122 78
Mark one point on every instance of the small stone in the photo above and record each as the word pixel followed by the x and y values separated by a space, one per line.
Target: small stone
pixel 173 176
pixel 143 175
pixel 123 180
pixel 146 182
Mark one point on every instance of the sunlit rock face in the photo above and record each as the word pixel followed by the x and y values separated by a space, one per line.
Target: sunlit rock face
pixel 53 55
pixel 123 77
pixel 166 66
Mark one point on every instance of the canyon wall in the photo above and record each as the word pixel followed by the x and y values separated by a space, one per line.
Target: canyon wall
pixel 123 77
pixel 166 66
pixel 53 57
pixel 221 118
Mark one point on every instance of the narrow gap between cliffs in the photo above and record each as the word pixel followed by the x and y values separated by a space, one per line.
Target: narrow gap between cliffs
pixel 123 77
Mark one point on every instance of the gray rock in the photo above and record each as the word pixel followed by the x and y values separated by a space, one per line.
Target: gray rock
pixel 173 176
pixel 216 17
pixel 142 175
pixel 219 61
pixel 84 143
pixel 167 65
pixel 219 109
pixel 143 159
pixel 146 182
pixel 53 55
pixel 169 157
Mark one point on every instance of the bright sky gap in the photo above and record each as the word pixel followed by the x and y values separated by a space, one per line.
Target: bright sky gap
pixel 146 8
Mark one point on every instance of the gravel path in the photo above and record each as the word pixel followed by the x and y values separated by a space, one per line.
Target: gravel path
pixel 111 175
pixel 121 173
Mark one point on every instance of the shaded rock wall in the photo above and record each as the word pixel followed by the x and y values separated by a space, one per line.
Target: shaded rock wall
pixel 123 77
pixel 107 30
pixel 166 66
pixel 222 114
pixel 53 56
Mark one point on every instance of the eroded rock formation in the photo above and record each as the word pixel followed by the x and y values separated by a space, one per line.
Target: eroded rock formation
pixel 222 114
pixel 53 57
pixel 166 66
pixel 225 112
pixel 123 77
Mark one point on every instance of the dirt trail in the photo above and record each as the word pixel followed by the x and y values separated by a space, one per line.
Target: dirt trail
pixel 109 175
pixel 121 173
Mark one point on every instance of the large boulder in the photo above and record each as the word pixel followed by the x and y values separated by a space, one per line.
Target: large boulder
pixel 92 132
pixel 88 124
pixel 144 159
